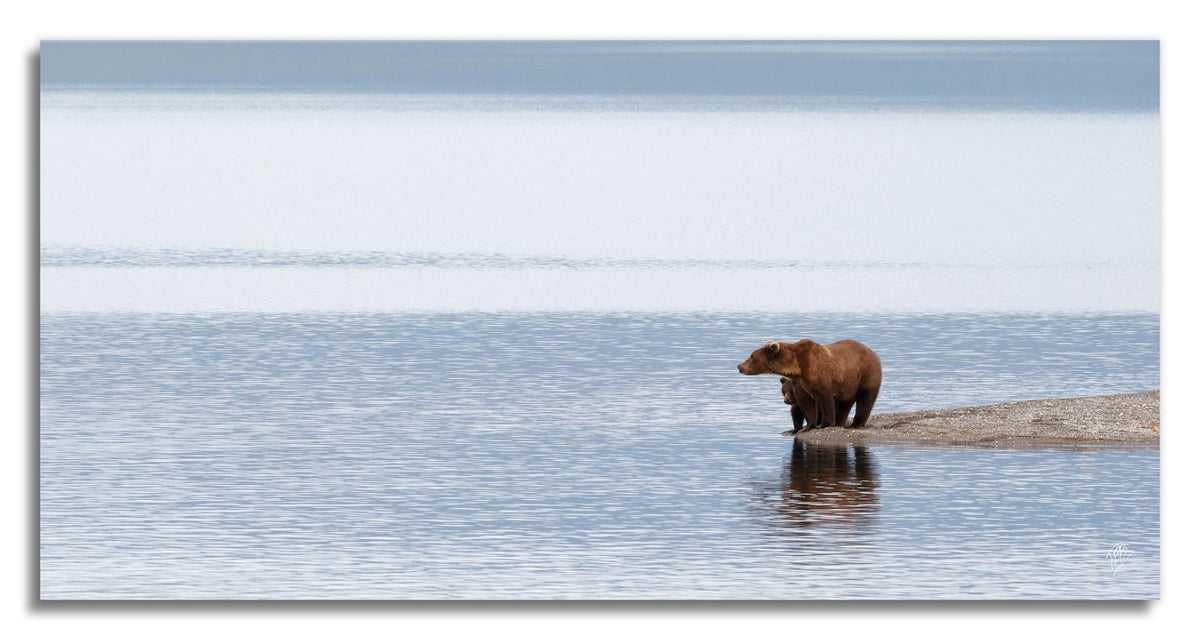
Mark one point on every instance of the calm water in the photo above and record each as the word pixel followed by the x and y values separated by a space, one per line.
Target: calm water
pixel 569 455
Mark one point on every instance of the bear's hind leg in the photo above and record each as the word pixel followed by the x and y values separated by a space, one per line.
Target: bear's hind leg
pixel 866 402
pixel 843 412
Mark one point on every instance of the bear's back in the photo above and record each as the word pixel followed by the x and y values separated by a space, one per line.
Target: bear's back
pixel 859 360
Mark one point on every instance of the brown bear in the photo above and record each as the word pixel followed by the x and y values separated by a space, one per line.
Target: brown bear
pixel 826 379
pixel 789 398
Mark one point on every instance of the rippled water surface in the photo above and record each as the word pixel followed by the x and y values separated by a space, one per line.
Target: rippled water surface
pixel 569 455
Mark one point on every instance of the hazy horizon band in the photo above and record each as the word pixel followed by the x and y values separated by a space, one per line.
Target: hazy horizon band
pixel 1020 75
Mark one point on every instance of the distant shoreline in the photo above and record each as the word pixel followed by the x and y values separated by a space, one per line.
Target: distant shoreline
pixel 1112 420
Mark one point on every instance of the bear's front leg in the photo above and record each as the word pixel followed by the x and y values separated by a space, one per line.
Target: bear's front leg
pixel 808 407
pixel 825 410
pixel 798 418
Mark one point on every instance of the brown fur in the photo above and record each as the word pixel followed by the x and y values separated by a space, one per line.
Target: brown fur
pixel 827 380
pixel 789 395
pixel 789 398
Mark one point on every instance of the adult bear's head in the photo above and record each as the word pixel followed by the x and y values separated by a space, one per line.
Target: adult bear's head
pixel 765 359
pixel 781 358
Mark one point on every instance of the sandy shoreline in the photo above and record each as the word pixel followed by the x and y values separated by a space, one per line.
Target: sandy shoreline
pixel 1116 420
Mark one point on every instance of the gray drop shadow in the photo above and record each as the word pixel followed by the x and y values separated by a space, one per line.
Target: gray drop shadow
pixel 38 606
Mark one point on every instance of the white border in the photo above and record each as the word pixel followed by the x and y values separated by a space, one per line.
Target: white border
pixel 27 23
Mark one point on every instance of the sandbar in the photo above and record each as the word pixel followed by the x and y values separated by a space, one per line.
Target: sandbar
pixel 1130 419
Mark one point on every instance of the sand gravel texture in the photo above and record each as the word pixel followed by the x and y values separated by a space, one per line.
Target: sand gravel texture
pixel 1130 419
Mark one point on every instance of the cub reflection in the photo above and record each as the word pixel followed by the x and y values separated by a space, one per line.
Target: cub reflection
pixel 828 485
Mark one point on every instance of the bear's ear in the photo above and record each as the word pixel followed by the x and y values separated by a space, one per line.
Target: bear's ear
pixel 772 348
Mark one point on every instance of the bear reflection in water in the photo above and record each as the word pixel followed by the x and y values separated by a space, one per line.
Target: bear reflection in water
pixel 828 485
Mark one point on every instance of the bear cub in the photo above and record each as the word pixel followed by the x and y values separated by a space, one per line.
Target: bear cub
pixel 789 398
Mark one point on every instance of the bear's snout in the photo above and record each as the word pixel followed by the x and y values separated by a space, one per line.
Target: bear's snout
pixel 740 370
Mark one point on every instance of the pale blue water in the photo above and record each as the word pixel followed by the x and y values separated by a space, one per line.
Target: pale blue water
pixel 569 455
